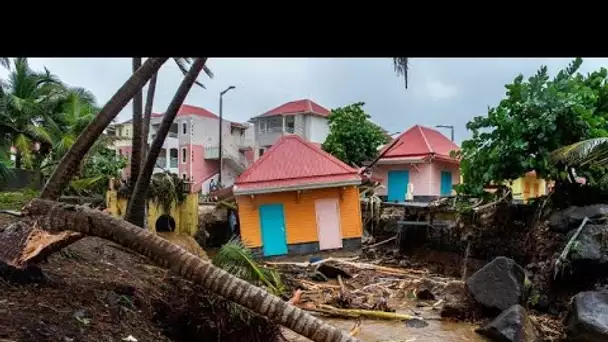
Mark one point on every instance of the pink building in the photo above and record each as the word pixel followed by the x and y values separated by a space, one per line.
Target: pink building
pixel 192 147
pixel 417 166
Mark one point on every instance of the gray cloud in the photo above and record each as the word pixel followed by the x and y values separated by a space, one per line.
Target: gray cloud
pixel 441 91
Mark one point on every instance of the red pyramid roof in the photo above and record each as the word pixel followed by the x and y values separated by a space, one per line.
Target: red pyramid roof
pixel 298 107
pixel 294 164
pixel 420 141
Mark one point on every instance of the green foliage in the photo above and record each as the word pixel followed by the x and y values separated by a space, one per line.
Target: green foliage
pixel 235 258
pixel 353 138
pixel 40 116
pixel 537 116
pixel 97 170
pixel 165 188
pixel 16 200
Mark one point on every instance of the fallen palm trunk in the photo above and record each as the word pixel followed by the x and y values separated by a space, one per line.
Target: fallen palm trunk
pixel 47 220
pixel 359 313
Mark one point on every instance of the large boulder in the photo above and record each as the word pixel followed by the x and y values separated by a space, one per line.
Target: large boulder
pixel 588 320
pixel 498 285
pixel 590 246
pixel 512 325
pixel 565 220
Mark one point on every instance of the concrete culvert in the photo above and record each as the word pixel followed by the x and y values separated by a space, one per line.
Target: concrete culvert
pixel 165 223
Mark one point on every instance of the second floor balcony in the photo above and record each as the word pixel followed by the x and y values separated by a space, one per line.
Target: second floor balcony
pixel 271 129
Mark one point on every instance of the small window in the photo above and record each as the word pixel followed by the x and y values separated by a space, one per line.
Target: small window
pixel 184 176
pixel 262 150
pixel 185 128
pixel 120 151
pixel 183 156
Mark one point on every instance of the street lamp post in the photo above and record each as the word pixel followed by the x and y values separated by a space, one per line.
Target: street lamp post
pixel 219 178
pixel 451 127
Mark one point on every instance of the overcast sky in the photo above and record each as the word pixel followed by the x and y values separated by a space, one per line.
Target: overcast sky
pixel 440 91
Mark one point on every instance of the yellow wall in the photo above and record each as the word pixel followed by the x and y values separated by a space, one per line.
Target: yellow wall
pixel 536 188
pixel 300 216
pixel 185 215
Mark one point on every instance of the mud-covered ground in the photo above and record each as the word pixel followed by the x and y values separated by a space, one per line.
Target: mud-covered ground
pixel 98 291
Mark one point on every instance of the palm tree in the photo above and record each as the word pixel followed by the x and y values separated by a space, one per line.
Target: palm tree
pixel 147 115
pixel 69 163
pixel 25 99
pixel 5 62
pixel 138 140
pixel 69 221
pixel 401 65
pixel 73 114
pixel 141 127
pixel 137 203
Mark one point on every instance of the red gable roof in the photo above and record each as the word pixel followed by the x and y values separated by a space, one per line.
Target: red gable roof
pixel 420 141
pixel 198 111
pixel 291 164
pixel 192 110
pixel 298 107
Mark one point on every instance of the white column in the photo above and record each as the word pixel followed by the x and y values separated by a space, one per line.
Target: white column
pixel 283 124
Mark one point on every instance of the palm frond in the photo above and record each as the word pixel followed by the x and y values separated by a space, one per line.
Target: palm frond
pixel 84 95
pixel 81 185
pixel 5 62
pixel 183 65
pixel 401 65
pixel 582 152
pixel 39 133
pixel 23 144
pixel 235 258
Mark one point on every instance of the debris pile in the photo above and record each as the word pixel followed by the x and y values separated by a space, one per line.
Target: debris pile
pixel 352 288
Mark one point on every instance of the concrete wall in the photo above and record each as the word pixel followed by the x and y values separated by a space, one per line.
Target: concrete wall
pixel 21 179
pixel 184 214
pixel 300 215
pixel 317 128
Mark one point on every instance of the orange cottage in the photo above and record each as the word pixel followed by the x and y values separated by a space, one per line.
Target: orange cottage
pixel 298 199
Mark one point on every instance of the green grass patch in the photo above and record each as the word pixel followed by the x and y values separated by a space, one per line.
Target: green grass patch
pixel 16 200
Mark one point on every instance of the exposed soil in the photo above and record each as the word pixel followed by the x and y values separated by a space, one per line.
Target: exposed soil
pixel 99 291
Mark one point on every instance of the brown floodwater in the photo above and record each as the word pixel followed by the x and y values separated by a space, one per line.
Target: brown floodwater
pixel 391 331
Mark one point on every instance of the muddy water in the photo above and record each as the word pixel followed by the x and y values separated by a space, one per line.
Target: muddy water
pixel 390 331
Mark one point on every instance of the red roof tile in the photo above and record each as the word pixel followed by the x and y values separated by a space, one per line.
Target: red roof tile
pixel 293 162
pixel 198 111
pixel 298 107
pixel 192 110
pixel 420 141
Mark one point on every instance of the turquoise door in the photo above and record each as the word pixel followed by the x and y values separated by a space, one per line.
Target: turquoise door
pixel 397 185
pixel 446 183
pixel 272 221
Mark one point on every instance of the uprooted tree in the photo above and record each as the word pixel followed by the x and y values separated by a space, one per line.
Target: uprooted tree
pixel 537 116
pixel 48 226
